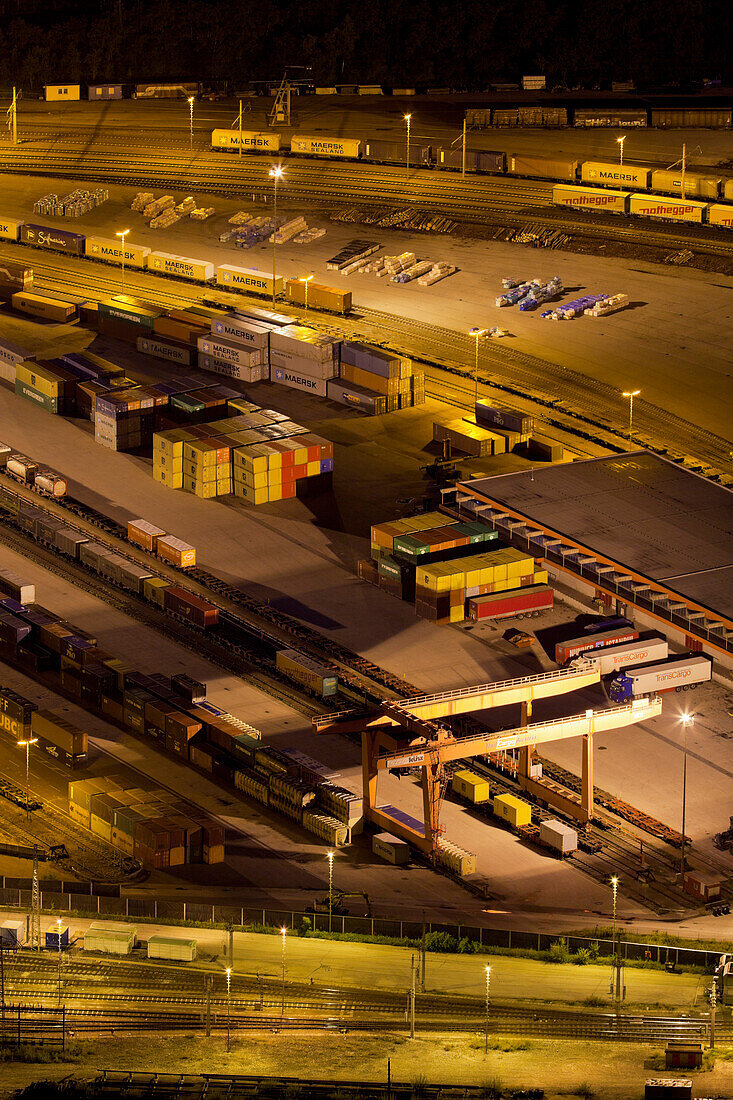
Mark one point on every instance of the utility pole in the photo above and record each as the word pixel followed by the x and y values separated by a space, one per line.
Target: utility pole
pixel 34 933
pixel 463 158
pixel 713 1006
pixel 208 980
pixel 684 158
pixel 240 127
pixel 423 953
pixel 412 996
pixel 14 117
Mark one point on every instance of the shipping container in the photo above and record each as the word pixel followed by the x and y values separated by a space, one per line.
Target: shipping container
pixel 12 933
pixel 103 248
pixel 385 151
pixel 249 140
pixel 199 271
pixel 229 351
pixel 573 647
pixel 491 162
pixel 329 298
pixel 695 184
pixel 654 206
pixel 614 175
pixel 470 786
pixel 358 397
pixel 720 214
pixel 144 534
pixel 46 236
pixel 189 606
pixel 502 416
pixel 110 939
pixel 558 835
pixel 316 676
pixel 391 849
pixel 631 654
pixel 60 93
pixel 714 118
pixel 59 732
pixel 168 350
pixel 9 229
pixel 349 148
pixel 14 277
pixel 16 587
pixel 37 305
pixel 512 809
pixel 541 167
pixel 250 281
pixel 57 937
pixel 253 334
pixel 171 947
pixel 135 315
pixel 176 551
pixel 675 674
pixel 609 116
pixel 590 198
pixel 298 381
pixel 532 600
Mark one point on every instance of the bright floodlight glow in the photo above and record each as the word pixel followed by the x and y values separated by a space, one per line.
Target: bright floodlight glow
pixel 631 393
pixel 614 882
pixel 686 719
pixel 276 172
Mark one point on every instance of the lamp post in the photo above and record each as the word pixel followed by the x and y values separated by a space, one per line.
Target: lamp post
pixel 407 148
pixel 621 141
pixel 27 746
pixel 191 101
pixel 631 394
pixel 275 174
pixel 615 980
pixel 305 279
pixel 122 234
pixel 229 1004
pixel 486 1030
pixel 330 865
pixel 58 933
pixel 477 333
pixel 283 933
pixel 686 720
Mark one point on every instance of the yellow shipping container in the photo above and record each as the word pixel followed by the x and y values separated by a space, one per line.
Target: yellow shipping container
pixel 204 489
pixel 470 786
pixel 252 496
pixel 40 378
pixel 173 480
pixel 512 809
pixel 174 463
pixel 153 589
pixel 540 577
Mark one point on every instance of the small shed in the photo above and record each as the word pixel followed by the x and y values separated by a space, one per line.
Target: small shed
pixel 104 91
pixel 62 92
pixel 701 885
pixel 681 1054
pixel 171 947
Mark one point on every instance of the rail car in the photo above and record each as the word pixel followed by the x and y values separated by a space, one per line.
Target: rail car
pixel 657 207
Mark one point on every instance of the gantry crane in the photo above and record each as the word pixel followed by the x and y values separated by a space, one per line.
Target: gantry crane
pixel 433 745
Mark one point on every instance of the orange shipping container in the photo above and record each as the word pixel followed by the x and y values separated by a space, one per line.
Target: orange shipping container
pixel 176 551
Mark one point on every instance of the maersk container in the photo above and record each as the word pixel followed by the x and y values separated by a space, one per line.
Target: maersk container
pixel 229 351
pixel 628 655
pixel 297 380
pixel 541 167
pixel 9 229
pixel 590 198
pixel 357 397
pixel 102 248
pixel 718 214
pixel 247 280
pixel 199 271
pixel 614 175
pixel 349 148
pixel 702 187
pixel 237 329
pixel 676 674
pixel 564 651
pixel 249 140
pixel 168 350
pixel 46 236
pixel 655 206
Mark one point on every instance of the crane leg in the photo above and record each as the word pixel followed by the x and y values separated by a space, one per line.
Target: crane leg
pixel 369 769
pixel 527 752
pixel 587 775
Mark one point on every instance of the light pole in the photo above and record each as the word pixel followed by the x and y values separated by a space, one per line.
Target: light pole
pixel 275 174
pixel 486 1031
pixel 58 933
pixel 686 720
pixel 615 980
pixel 330 859
pixel 305 279
pixel 122 234
pixel 27 745
pixel 477 333
pixel 229 1004
pixel 407 149
pixel 283 933
pixel 621 141
pixel 631 394
pixel 191 101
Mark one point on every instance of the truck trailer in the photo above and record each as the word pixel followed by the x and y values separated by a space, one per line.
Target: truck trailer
pixel 676 674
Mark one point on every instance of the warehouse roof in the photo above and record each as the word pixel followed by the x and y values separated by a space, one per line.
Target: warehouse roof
pixel 641 511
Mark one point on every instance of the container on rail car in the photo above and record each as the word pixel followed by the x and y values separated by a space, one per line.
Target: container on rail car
pixel 100 248
pixel 720 214
pixel 298 666
pixel 676 674
pixel 50 483
pixel 250 140
pixel 46 236
pixel 541 167
pixel 590 198
pixel 655 206
pixel 728 190
pixel 200 271
pixel 614 658
pixel 59 737
pixel 614 175
pixel 9 229
pixel 697 185
pixel 572 647
pixel 246 279
pixel 325 147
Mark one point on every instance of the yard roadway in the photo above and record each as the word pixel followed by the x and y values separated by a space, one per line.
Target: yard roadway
pixel 382 967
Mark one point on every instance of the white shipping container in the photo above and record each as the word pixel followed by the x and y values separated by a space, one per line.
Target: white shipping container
pixel 298 381
pixel 391 848
pixel 232 370
pixel 100 248
pixel 240 331
pixel 182 266
pixel 325 147
pixel 248 139
pixel 313 368
pixel 12 933
pixel 243 278
pixel 9 229
pixel 655 206
pixel 304 342
pixel 170 947
pixel 612 658
pixel 228 351
pixel 558 835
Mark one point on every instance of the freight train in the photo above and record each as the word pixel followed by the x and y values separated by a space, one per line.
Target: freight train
pixel 29 473
pixel 480 161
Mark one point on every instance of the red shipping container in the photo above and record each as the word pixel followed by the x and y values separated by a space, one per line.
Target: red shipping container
pixel 181 602
pixel 518 601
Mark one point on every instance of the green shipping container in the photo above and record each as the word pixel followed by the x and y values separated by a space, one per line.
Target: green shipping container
pixel 50 404
pixel 134 315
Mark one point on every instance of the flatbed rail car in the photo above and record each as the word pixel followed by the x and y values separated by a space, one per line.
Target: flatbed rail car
pixel 631 204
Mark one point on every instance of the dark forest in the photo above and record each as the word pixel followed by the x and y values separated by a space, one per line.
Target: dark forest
pixel 467 45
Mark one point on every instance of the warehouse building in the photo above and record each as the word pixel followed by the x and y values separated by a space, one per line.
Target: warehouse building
pixel 632 529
